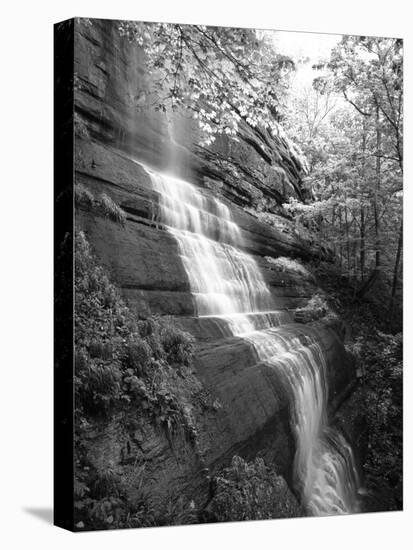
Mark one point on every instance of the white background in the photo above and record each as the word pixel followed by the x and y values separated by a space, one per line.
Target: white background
pixel 26 273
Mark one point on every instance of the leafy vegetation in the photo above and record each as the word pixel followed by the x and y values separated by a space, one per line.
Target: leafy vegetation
pixel 316 308
pixel 380 355
pixel 283 263
pixel 111 210
pixel 122 363
pixel 349 123
pixel 83 197
pixel 249 491
pixel 221 75
pixel 103 205
pixel 378 406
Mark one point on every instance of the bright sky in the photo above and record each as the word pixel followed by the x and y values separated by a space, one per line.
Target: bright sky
pixel 308 46
pixel 305 44
pixel 299 45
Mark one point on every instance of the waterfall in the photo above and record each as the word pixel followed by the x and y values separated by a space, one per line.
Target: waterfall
pixel 226 283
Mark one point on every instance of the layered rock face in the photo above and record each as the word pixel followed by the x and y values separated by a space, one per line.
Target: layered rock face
pixel 115 143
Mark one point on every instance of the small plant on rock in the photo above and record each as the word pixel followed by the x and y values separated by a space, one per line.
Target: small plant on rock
pixel 111 210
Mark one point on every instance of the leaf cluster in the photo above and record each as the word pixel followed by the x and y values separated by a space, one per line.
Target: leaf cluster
pixel 249 491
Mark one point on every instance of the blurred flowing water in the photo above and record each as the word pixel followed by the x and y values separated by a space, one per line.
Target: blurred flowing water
pixel 227 283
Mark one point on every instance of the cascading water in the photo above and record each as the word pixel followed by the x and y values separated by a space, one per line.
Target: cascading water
pixel 227 284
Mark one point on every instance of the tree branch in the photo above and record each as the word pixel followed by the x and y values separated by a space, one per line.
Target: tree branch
pixel 364 113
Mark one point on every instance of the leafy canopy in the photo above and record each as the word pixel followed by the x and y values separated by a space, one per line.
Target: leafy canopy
pixel 223 75
pixel 369 73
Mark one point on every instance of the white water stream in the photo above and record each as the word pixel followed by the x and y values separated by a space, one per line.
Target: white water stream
pixel 227 283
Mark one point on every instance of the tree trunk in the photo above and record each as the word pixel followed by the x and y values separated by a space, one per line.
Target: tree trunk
pixel 362 242
pixel 368 284
pixel 354 260
pixel 377 189
pixel 340 237
pixel 362 212
pixel 396 270
pixel 347 240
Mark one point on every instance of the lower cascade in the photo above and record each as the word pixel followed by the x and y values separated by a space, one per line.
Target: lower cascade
pixel 226 283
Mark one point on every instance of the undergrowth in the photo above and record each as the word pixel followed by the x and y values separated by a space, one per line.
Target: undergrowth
pixel 380 403
pixel 122 363
pixel 285 264
pixel 251 491
pixel 317 307
pixel 378 348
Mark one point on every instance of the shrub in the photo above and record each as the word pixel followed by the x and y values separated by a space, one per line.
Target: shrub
pixel 147 327
pixel 111 344
pixel 106 483
pixel 319 302
pixel 137 355
pixel 249 491
pixel 178 511
pixel 101 350
pixel 285 264
pixel 103 205
pixel 105 505
pixel 380 355
pixel 111 210
pixel 141 514
pixel 127 365
pixel 178 345
pixel 316 308
pixel 98 387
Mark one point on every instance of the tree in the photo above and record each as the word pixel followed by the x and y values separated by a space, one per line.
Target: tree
pixel 222 75
pixel 349 125
pixel 369 73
